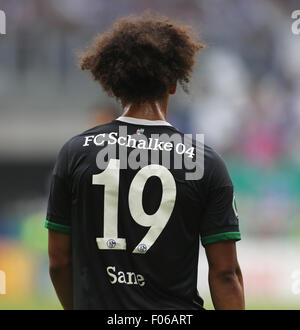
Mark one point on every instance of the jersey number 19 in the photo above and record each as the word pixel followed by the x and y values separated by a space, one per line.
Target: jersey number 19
pixel 110 178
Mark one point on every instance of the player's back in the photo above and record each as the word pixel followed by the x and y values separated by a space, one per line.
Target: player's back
pixel 134 217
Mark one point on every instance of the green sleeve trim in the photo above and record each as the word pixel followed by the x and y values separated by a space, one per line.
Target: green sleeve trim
pixel 220 237
pixel 57 227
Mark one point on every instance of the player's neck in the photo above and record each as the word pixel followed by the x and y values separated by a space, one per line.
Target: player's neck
pixel 149 111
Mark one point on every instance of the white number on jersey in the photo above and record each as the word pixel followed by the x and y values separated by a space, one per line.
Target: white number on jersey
pixel 110 178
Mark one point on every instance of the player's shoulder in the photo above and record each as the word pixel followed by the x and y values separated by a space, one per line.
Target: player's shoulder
pixel 212 157
pixel 76 141
pixel 100 128
pixel 207 158
pixel 215 169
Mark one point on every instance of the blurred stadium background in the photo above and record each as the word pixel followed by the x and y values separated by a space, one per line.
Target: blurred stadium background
pixel 245 97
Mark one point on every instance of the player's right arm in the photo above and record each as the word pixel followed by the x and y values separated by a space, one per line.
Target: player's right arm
pixel 225 277
pixel 219 230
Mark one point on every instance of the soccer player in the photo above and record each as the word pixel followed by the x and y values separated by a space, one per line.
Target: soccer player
pixel 124 224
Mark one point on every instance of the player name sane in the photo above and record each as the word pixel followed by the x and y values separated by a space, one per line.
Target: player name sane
pixel 129 278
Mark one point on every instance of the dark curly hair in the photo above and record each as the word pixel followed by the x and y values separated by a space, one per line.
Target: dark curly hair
pixel 140 58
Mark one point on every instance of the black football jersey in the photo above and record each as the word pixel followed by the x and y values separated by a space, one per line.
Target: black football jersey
pixel 136 217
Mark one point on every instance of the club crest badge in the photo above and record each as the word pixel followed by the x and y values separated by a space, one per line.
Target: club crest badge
pixel 142 248
pixel 140 131
pixel 111 243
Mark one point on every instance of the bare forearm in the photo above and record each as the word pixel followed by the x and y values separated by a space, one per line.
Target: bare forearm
pixel 62 281
pixel 227 290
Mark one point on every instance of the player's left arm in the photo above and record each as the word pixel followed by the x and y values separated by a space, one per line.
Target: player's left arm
pixel 58 221
pixel 60 266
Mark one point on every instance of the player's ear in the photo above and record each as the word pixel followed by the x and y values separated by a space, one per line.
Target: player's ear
pixel 172 89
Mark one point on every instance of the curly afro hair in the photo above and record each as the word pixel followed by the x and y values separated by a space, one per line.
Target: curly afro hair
pixel 141 58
